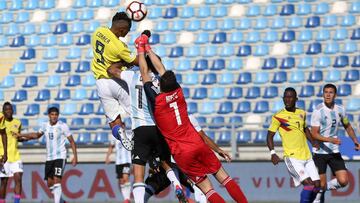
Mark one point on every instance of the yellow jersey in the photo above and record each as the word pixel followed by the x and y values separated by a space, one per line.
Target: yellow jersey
pixel 107 49
pixel 12 143
pixel 291 128
pixel 2 121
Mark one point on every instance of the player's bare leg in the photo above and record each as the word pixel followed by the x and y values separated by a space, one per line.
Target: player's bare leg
pixel 18 187
pixel 3 189
pixel 320 197
pixel 139 185
pixel 211 195
pixel 340 180
pixel 232 188
pixel 174 181
pixel 125 187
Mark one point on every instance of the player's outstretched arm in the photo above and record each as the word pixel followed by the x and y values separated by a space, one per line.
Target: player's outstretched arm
pixel 270 143
pixel 158 65
pixel 28 136
pixel 74 160
pixel 214 146
pixel 4 142
pixel 350 131
pixel 315 132
pixel 108 153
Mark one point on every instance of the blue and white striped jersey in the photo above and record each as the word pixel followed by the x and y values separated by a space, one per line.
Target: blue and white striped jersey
pixel 123 156
pixel 140 112
pixel 56 136
pixel 329 121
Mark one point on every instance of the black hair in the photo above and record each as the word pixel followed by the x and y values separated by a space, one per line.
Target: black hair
pixel 122 16
pixel 53 109
pixel 329 85
pixel 290 89
pixel 151 65
pixel 6 104
pixel 168 81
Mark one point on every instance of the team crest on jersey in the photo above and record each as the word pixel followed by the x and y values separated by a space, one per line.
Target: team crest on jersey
pixel 301 116
pixel 171 97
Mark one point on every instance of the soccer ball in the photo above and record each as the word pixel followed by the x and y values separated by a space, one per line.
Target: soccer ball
pixel 136 11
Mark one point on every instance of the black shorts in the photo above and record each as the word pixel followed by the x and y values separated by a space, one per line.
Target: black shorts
pixel 147 140
pixel 122 169
pixel 54 168
pixel 335 161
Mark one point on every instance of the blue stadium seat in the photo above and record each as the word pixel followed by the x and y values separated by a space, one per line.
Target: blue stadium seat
pixel 288 36
pixel 269 63
pixel 29 28
pixel 60 28
pixel 187 12
pixel 88 81
pixel 194 25
pixel 235 121
pixel 218 64
pixel 235 93
pixel 201 64
pixel 352 75
pixel 287 10
pixel 355 34
pixel 94 95
pixel 154 39
pixel 43 95
pixel 227 24
pixel 33 41
pixel 331 48
pixel 243 107
pixel 341 61
pixel 83 40
pixel 261 24
pixel 329 21
pixel 69 109
pixel 18 68
pixel 260 137
pixel 243 137
pixel 253 37
pixel 353 105
pixel 209 79
pixel 32 110
pixel 93 124
pixel 169 38
pixel 270 10
pixel 101 138
pixel 154 12
pixel 12 30
pixel 74 53
pixel 54 16
pixel 344 90
pixel 45 28
pixel 300 104
pixel 322 8
pixel 261 78
pixel 312 22
pixel 178 25
pixel 224 138
pixel 86 109
pixel 82 67
pixel 6 17
pixel 209 2
pixel 295 22
pixel 305 35
pixel 244 50
pixel 79 4
pixel 22 17
pixel 62 95
pixel 217 93
pixel 303 9
pixel 271 36
pixel 83 138
pixel 73 80
pixel 30 81
pixel 226 79
pixel 186 92
pixel 244 78
pixel 245 23
pixel 219 38
pixel 63 67
pixel 20 95
pixel 297 77
pixel 323 35
pixel 184 65
pixel 313 104
pixel 28 54
pixel 77 123
pixel 279 77
pixel 349 47
pixel 333 76
pixel 202 38
pixel 179 2
pixel 314 48
pixel 16 5
pixel 100 110
pixel 86 15
pixel 235 64
pixel 348 20
pixel 192 107
pixel 296 49
pixel 261 50
pixel 53 81
pixel 66 40
pixel 287 63
pixel 200 93
pixel 305 62
pixel 51 53
pixel 261 107
pixel 92 26
pixel 253 93
pixel 210 51
pixel 356 62
pixel 323 62
pixel 79 94
pixel 225 107
pixel 95 3
pixel 207 108
pixel 271 92
pixel 191 79
pixel 315 76
pixel 220 11
pixel 267 122
pixel 277 106
pixel 210 25
pixel 1 95
pixel 278 23
pixel 307 91
pixel 176 52
pixel 217 122
pixel 340 34
pixel 171 12
pixel 47 4
pixel 354 7
pixel 253 11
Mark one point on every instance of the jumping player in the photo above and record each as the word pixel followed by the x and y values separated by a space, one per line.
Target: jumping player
pixel 290 122
pixel 187 146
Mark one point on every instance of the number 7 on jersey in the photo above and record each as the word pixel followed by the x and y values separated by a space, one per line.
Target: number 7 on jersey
pixel 177 113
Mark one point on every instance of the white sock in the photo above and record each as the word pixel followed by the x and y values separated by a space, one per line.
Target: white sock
pixel 173 179
pixel 199 195
pixel 57 191
pixel 126 190
pixel 139 192
pixel 333 184
pixel 318 196
pixel 149 192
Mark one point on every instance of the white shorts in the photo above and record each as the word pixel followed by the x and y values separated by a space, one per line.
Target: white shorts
pixel 113 97
pixel 10 168
pixel 301 169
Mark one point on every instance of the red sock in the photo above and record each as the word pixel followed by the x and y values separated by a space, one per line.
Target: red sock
pixel 234 190
pixel 214 197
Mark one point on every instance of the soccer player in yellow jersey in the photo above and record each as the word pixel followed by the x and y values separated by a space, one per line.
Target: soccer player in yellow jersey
pixel 108 49
pixel 3 150
pixel 13 166
pixel 290 122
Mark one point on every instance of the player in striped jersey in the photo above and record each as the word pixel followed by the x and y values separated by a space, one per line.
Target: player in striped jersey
pixel 56 133
pixel 325 121
pixel 122 167
pixel 13 167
